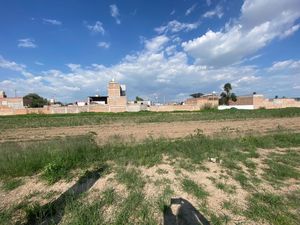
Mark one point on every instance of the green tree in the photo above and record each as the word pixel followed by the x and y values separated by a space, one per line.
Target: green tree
pixel 33 100
pixel 137 98
pixel 227 95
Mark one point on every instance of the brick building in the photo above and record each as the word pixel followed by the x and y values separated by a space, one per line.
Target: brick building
pixel 208 100
pixel 10 103
pixel 257 101
pixel 117 99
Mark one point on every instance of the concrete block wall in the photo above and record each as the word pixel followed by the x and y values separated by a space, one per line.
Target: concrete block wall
pixel 170 108
pixel 201 102
pixel 136 108
pixel 243 100
pixel 98 108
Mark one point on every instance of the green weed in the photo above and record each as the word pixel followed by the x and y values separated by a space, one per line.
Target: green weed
pixel 12 184
pixel 191 187
pixel 270 208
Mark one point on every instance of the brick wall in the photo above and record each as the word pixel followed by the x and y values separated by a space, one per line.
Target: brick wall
pixel 15 103
pixel 203 102
pixel 242 100
pixel 170 108
pixel 115 101
pixel 260 102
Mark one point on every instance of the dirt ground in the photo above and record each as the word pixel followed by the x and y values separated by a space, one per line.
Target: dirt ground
pixel 127 131
pixel 31 189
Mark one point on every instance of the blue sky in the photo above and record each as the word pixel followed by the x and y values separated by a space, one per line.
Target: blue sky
pixel 159 49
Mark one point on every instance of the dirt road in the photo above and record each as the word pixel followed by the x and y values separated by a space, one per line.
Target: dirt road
pixel 155 130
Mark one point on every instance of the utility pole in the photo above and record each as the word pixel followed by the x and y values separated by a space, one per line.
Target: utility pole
pixel 213 97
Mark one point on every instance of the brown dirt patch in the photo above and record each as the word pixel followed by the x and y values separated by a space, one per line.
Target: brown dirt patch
pixel 33 190
pixel 128 131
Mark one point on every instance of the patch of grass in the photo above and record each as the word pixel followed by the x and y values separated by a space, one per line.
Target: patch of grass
pixel 49 195
pixel 279 171
pixel 162 182
pixel 281 166
pixel 164 199
pixel 186 164
pixel 270 208
pixel 55 158
pixel 135 210
pixel 53 172
pixel 243 180
pixel 290 157
pixel 58 120
pixel 32 194
pixel 12 184
pixel 191 187
pixel 131 178
pixel 230 189
pixel 250 164
pixel 79 212
pixel 161 171
pixel 219 219
pixel 232 206
pixel 293 199
pixel 177 172
pixel 5 216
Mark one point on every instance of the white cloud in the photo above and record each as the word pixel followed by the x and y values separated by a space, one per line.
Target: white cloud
pixel 190 10
pixel 156 44
pixel 160 69
pixel 174 26
pixel 290 31
pixel 208 2
pixel 285 65
pixel 97 28
pixel 38 63
pixel 11 65
pixel 173 12
pixel 218 11
pixel 103 45
pixel 26 43
pixel 73 67
pixel 114 12
pixel 251 32
pixel 52 22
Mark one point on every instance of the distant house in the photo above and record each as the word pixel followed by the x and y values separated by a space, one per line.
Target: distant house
pixel 97 100
pixel 203 100
pixel 8 102
pixel 257 101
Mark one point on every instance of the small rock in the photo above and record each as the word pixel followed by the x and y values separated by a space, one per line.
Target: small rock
pixel 214 160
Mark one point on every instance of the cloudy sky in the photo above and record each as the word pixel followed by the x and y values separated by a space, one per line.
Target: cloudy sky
pixel 160 49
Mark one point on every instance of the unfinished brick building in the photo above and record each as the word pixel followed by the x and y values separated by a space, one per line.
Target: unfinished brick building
pixel 117 99
pixel 257 101
pixel 7 102
pixel 208 100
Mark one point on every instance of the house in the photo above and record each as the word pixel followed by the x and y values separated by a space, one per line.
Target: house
pixel 258 101
pixel 203 100
pixel 10 103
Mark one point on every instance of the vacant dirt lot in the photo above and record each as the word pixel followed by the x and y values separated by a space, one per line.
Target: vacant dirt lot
pixel 228 175
pixel 127 131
